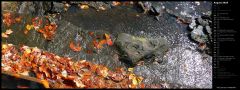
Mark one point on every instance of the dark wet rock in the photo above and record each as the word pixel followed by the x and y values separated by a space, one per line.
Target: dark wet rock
pixel 134 48
pixel 201 32
pixel 188 69
pixel 198 35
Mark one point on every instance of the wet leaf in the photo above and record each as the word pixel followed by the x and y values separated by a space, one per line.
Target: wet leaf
pixel 108 39
pixel 75 48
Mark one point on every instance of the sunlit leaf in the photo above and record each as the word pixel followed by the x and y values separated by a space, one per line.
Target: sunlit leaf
pixel 45 83
pixel 84 6
pixel 29 27
pixel 4 35
pixel 9 31
pixel 130 69
pixel 91 33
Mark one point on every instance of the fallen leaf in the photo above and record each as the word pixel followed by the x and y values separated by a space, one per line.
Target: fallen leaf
pixel 29 27
pixel 7 15
pixel 9 31
pixel 130 69
pixel 25 31
pixel 115 3
pixel 4 35
pixel 91 33
pixel 84 6
pixel 108 39
pixel 134 81
pixel 102 8
pixel 45 83
pixel 75 48
pixel 18 19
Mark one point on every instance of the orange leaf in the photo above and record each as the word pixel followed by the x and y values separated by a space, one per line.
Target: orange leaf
pixel 18 19
pixel 91 33
pixel 75 48
pixel 109 42
pixel 107 36
pixel 45 83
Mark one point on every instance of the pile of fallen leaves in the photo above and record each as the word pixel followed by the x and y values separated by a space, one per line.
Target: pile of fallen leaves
pixel 47 29
pixel 62 72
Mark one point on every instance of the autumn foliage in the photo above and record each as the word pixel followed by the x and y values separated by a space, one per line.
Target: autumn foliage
pixel 61 72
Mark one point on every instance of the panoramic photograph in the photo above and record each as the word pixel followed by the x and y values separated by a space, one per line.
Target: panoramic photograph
pixel 106 44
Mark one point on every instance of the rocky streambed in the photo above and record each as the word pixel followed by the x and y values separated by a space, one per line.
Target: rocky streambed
pixel 156 46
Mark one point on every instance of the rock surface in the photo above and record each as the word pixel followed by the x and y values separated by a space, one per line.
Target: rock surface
pixel 134 48
pixel 183 71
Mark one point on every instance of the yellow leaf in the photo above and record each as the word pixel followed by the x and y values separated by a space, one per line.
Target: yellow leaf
pixel 134 81
pixel 139 79
pixel 27 51
pixel 131 76
pixel 45 83
pixel 29 27
pixel 4 46
pixel 130 69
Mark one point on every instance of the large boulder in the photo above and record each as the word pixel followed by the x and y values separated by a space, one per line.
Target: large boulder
pixel 134 48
